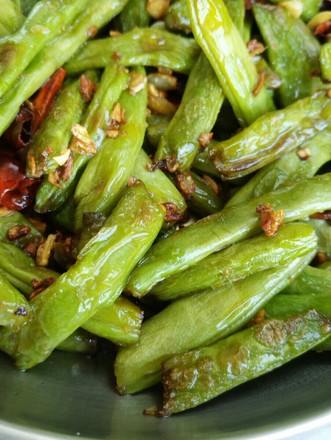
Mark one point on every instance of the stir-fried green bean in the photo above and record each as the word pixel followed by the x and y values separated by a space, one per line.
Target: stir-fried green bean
pixel 174 149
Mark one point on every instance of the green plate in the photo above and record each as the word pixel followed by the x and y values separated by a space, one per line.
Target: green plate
pixel 72 396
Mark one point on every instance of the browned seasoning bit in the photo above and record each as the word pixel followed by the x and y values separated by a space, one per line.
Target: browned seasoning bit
pixel 211 183
pixel 87 88
pixel 303 153
pixel 132 181
pixel 82 143
pixel 173 213
pixel 260 84
pixel 18 231
pixel 92 31
pixel 186 184
pixel 320 258
pixel 39 286
pixel 116 56
pixel 255 47
pixel 205 138
pixel 62 173
pixel 117 119
pixel 31 249
pixel 270 220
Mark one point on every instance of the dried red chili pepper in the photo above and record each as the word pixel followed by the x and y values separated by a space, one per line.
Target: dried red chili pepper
pixel 16 190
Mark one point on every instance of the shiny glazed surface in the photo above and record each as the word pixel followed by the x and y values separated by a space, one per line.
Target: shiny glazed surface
pixel 72 396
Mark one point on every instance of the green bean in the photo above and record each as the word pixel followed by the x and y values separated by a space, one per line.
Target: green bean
pixel 323 232
pixel 40 27
pixel 189 245
pixel 286 305
pixel 48 148
pixel 325 61
pixel 15 228
pixel 309 8
pixel 156 127
pixel 144 46
pixel 157 183
pixel 288 169
pixel 108 258
pixel 107 173
pixel 80 341
pixel 119 322
pixel 312 280
pixel 237 261
pixel 54 54
pixel 134 15
pixel 11 18
pixel 14 308
pixel 271 136
pixel 21 270
pixel 297 78
pixel 238 359
pixel 224 47
pixel 204 196
pixel 177 18
pixel 96 119
pixel 198 320
pixel 195 116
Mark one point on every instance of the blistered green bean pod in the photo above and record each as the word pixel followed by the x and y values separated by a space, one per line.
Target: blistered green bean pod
pixel 177 18
pixel 21 270
pixel 95 280
pixel 202 162
pixel 190 245
pixel 238 261
pixel 96 120
pixel 199 320
pixel 309 8
pixel 286 305
pixel 119 322
pixel 14 308
pixel 323 232
pixel 80 341
pixel 107 173
pixel 156 127
pixel 288 169
pixel 157 183
pixel 144 46
pixel 134 14
pixel 195 116
pixel 11 18
pixel 312 280
pixel 55 54
pixel 40 27
pixel 271 136
pixel 297 77
pixel 48 148
pixel 325 61
pixel 16 229
pixel 238 359
pixel 223 45
pixel 205 197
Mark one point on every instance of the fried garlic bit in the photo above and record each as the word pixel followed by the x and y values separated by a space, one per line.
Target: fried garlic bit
pixel 158 102
pixel 117 118
pixel 82 143
pixel 304 153
pixel 186 184
pixel 137 82
pixel 44 250
pixel 270 220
